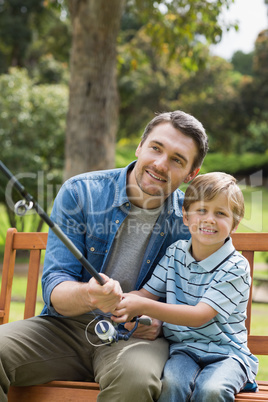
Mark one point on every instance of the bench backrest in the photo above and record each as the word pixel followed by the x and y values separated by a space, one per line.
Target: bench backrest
pixel 35 243
pixel 247 243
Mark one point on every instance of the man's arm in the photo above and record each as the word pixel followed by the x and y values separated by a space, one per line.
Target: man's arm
pixel 74 298
pixel 132 305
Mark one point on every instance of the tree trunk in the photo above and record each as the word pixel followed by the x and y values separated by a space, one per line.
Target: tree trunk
pixel 93 103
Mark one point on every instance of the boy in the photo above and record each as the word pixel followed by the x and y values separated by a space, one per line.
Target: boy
pixel 206 283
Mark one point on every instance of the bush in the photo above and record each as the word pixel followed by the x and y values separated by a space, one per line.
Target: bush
pixel 32 131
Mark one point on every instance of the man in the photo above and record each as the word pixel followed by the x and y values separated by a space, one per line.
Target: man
pixel 122 220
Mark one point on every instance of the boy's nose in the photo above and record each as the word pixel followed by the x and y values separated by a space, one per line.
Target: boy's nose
pixel 210 217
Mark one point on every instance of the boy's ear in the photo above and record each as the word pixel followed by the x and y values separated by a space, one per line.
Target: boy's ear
pixel 191 175
pixel 235 228
pixel 184 217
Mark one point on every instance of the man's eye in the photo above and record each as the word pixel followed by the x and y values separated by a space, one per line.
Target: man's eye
pixel 178 161
pixel 155 148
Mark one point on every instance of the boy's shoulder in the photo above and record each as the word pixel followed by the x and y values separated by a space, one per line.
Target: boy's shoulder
pixel 179 246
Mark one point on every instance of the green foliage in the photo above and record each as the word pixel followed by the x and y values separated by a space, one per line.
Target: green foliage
pixel 177 26
pixel 32 126
pixel 16 20
pixel 50 71
pixel 242 165
pixel 243 62
pixel 31 30
pixel 161 46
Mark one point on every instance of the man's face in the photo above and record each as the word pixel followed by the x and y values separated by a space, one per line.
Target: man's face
pixel 164 161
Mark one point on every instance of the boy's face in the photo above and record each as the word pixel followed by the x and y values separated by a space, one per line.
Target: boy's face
pixel 210 223
pixel 164 161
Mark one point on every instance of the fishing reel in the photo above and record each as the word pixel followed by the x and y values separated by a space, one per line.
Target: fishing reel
pixel 108 333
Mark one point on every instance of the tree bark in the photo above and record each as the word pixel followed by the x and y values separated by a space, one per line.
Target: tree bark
pixel 93 101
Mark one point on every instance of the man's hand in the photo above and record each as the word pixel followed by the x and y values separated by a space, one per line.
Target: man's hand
pixel 74 298
pixel 150 332
pixel 104 297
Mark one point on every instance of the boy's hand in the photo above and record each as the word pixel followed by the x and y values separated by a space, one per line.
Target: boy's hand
pixel 128 308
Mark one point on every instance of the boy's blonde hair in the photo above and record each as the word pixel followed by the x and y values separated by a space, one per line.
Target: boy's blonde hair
pixel 206 187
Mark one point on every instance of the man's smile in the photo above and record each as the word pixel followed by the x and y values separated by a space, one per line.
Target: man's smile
pixel 154 176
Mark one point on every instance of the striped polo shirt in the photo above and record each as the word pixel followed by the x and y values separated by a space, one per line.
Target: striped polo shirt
pixel 223 281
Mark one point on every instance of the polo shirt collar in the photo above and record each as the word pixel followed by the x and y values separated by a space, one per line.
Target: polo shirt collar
pixel 215 259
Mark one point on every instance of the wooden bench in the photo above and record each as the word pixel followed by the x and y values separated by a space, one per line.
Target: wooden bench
pixel 58 391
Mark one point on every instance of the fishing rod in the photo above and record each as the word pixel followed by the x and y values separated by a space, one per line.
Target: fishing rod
pixel 21 207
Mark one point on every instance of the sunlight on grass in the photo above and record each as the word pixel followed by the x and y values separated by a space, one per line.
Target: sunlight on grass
pixel 259 326
pixel 17 310
pixel 18 297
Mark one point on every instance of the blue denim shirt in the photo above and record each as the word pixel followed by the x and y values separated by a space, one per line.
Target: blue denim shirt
pixel 90 208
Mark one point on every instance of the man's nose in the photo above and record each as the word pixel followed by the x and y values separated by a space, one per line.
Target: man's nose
pixel 161 163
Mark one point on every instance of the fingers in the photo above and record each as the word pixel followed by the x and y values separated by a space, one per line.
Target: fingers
pixel 104 297
pixel 120 319
pixel 146 332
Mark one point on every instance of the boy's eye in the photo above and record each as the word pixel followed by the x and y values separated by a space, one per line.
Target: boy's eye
pixel 201 210
pixel 155 148
pixel 221 213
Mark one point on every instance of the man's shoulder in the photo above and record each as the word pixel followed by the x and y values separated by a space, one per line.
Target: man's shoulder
pixel 95 175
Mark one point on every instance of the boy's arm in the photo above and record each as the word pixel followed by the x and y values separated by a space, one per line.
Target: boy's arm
pixel 144 293
pixel 133 305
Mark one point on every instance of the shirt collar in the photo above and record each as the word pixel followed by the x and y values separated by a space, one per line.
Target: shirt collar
pixel 215 259
pixel 121 197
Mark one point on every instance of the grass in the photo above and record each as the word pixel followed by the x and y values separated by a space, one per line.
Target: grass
pixel 18 296
pixel 259 325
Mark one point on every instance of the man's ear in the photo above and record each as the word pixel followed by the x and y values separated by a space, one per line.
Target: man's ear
pixel 191 175
pixel 185 217
pixel 138 150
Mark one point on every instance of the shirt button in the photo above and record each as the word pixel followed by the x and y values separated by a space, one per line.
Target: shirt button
pixel 92 249
pixel 162 234
pixel 127 204
pixel 148 261
pixel 117 221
